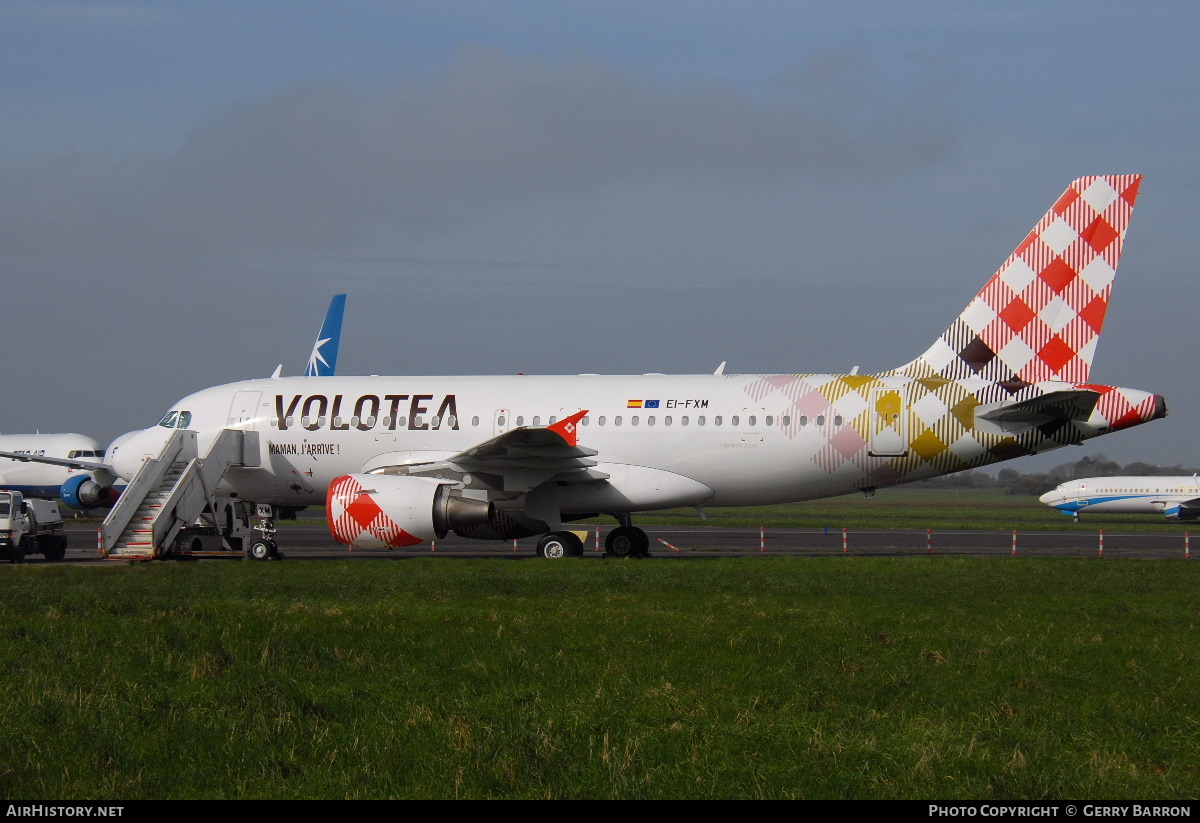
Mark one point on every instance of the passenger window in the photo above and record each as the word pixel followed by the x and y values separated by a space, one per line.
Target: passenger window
pixel 837 420
pixel 633 421
pixel 601 420
pixel 717 420
pixel 769 420
pixel 683 421
pixel 617 420
pixel 733 421
pixel 700 420
pixel 804 420
pixel 787 420
pixel 752 420
pixel 820 420
pixel 521 420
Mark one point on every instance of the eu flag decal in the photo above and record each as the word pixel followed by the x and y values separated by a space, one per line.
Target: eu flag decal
pixel 651 404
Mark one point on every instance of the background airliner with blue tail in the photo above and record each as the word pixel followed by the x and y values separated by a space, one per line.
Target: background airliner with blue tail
pixel 1176 497
pixel 71 480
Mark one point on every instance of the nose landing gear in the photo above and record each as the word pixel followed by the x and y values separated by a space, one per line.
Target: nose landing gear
pixel 263 546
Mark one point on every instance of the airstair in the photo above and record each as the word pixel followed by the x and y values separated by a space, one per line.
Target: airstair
pixel 170 493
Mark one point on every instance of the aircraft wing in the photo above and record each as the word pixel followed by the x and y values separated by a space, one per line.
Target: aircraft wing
pixel 521 459
pixel 101 473
pixel 83 465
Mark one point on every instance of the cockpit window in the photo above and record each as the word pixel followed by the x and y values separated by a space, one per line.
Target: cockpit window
pixel 84 453
pixel 176 420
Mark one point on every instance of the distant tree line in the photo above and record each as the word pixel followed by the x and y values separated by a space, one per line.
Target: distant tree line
pixel 1014 482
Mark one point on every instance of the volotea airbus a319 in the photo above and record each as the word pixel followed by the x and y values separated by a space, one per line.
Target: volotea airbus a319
pixel 402 460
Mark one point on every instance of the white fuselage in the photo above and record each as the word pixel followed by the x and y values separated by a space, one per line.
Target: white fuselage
pixel 43 480
pixel 1124 495
pixel 661 440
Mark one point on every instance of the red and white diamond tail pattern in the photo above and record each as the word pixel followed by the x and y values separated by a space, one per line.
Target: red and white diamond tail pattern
pixel 355 519
pixel 1040 315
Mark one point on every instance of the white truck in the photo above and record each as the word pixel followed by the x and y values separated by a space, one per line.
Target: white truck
pixel 30 526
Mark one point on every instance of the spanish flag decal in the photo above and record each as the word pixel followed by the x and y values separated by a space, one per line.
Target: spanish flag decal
pixel 634 404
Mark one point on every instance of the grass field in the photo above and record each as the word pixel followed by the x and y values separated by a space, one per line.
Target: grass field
pixel 920 677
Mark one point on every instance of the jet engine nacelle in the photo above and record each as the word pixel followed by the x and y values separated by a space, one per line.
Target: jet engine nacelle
pixel 1177 512
pixel 377 511
pixel 82 492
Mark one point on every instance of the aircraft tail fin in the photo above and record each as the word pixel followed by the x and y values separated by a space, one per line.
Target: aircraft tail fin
pixel 323 360
pixel 1039 317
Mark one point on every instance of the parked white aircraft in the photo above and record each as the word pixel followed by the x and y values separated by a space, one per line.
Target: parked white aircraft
pixel 41 479
pixel 401 460
pixel 1175 497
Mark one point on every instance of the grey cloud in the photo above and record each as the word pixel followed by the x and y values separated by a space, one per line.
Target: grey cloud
pixel 326 165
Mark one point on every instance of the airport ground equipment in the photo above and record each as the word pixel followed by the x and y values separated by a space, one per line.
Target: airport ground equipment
pixel 30 526
pixel 171 507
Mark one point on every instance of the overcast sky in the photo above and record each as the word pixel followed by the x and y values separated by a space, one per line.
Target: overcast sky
pixel 554 187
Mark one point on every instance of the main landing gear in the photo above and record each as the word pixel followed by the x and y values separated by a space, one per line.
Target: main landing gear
pixel 624 541
pixel 560 544
pixel 627 541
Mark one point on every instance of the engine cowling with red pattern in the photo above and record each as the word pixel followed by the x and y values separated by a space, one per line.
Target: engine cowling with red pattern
pixel 377 511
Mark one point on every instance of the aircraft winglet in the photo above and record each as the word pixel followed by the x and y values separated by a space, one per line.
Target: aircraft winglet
pixel 568 428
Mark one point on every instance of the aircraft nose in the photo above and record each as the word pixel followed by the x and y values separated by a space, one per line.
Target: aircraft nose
pixel 1050 497
pixel 130 450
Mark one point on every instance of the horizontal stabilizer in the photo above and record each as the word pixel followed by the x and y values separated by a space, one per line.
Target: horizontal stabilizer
pixel 1077 404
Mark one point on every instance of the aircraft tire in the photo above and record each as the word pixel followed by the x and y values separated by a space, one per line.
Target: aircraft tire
pixel 261 550
pixel 556 545
pixel 626 541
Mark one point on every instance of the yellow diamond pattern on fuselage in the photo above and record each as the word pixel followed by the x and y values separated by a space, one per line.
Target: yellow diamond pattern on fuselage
pixel 928 445
pixel 964 411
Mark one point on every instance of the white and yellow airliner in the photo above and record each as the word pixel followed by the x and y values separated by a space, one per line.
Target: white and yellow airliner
pixel 401 460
